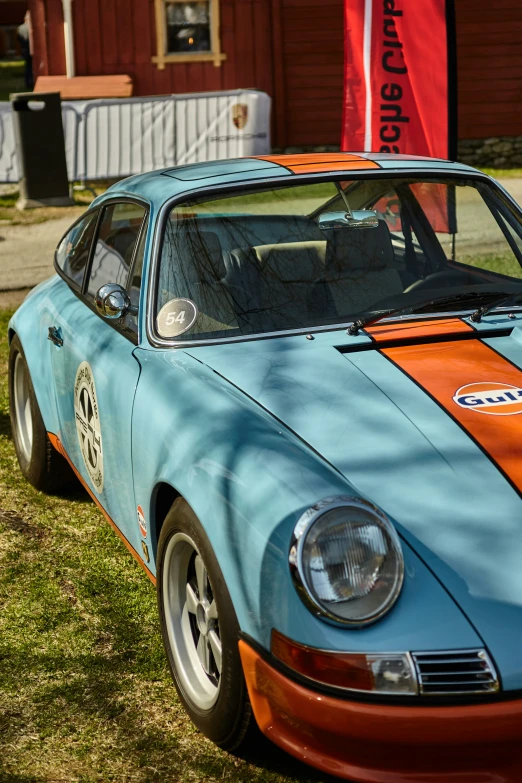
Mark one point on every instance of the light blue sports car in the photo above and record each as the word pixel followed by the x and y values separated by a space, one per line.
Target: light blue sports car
pixel 293 385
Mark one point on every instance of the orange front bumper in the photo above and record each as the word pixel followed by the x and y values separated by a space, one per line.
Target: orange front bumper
pixel 378 743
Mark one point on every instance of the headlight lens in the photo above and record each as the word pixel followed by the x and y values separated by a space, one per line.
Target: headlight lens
pixel 348 560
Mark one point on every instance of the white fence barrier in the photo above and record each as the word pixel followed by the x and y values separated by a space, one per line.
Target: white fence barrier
pixel 110 139
pixel 8 162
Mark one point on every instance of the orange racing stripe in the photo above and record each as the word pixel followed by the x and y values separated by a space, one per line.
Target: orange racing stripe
pixel 56 442
pixel 418 329
pixel 442 369
pixel 317 162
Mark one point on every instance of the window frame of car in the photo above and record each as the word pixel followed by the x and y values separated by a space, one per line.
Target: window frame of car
pixel 73 285
pixel 81 290
pixel 135 334
pixel 284 181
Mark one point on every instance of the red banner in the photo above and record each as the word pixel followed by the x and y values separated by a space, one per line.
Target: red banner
pixel 400 89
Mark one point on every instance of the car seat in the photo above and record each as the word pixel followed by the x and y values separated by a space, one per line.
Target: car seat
pixel 359 268
pixel 291 292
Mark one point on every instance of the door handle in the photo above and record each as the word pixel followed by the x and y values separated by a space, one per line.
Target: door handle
pixel 55 336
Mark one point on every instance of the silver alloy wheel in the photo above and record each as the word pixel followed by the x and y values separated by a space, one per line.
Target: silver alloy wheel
pixel 22 406
pixel 192 621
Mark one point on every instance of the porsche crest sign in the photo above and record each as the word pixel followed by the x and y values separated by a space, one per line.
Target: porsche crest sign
pixel 240 115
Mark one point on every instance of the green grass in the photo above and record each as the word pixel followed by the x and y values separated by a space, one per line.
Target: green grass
pixel 502 263
pixel 85 694
pixel 10 216
pixel 503 173
pixel 11 78
pixel 292 200
pixel 301 200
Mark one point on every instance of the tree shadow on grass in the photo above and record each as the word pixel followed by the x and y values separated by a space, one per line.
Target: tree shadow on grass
pixel 5 424
pixel 76 492
pixel 92 694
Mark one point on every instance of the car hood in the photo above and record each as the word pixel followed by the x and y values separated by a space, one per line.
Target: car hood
pixel 390 413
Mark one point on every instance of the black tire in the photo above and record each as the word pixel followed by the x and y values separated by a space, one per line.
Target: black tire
pixel 40 463
pixel 227 722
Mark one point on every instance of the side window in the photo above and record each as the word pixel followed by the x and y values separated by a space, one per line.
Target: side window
pixel 135 281
pixel 117 237
pixel 73 251
pixel 479 241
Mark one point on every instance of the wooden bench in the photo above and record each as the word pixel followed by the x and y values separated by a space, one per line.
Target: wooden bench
pixel 86 87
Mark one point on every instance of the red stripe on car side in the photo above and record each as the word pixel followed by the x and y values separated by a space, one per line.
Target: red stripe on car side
pixel 56 442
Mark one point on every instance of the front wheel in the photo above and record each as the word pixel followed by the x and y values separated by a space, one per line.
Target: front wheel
pixel 200 630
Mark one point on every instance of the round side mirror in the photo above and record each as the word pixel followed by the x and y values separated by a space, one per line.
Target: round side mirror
pixel 112 301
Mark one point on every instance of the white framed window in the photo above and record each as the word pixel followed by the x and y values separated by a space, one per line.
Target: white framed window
pixel 187 31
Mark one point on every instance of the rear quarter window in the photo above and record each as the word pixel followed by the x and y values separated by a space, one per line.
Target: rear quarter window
pixel 74 250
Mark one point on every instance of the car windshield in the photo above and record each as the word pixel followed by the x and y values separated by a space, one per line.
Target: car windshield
pixel 264 261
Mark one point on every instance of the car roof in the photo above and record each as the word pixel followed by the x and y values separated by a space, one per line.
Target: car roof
pixel 159 186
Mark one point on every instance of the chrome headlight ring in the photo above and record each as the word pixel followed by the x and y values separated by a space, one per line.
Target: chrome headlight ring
pixel 373 528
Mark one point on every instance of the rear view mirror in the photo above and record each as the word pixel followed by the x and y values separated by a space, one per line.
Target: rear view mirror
pixel 359 218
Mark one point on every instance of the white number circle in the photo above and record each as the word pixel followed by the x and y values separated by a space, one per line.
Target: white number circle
pixel 176 317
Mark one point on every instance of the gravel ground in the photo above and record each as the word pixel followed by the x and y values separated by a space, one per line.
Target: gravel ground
pixel 514 187
pixel 10 300
pixel 26 252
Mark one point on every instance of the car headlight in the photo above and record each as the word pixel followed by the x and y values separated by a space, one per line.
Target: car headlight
pixel 346 560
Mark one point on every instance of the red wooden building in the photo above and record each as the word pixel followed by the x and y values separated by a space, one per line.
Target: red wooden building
pixel 292 49
pixel 11 16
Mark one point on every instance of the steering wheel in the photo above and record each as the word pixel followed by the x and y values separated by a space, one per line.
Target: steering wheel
pixel 443 279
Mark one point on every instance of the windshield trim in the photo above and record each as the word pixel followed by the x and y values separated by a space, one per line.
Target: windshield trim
pixel 215 190
pixel 187 344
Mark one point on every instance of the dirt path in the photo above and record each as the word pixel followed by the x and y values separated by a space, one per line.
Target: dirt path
pixel 10 300
pixel 26 252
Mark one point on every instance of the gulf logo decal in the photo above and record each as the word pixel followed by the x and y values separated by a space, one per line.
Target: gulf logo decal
pixel 495 399
pixel 441 368
pixel 142 522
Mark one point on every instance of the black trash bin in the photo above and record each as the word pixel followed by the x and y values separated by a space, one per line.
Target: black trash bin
pixel 40 148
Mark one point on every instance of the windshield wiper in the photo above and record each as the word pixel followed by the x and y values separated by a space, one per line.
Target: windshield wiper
pixel 499 298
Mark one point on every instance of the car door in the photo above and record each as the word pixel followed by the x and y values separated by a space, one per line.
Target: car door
pixel 95 369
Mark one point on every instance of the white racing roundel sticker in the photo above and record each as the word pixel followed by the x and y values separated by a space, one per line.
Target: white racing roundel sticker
pixel 176 317
pixel 495 399
pixel 88 427
pixel 142 522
